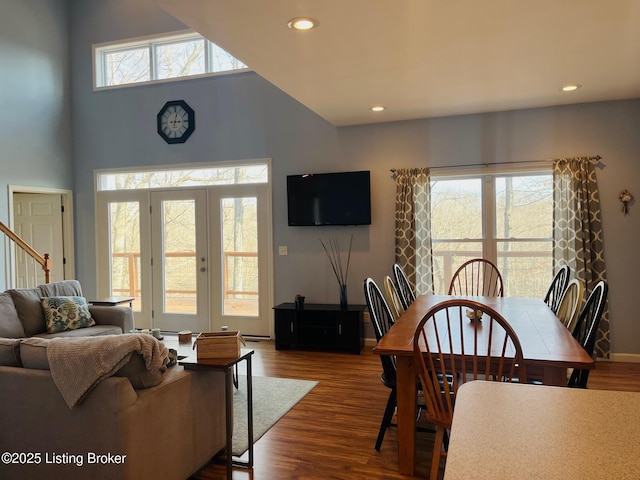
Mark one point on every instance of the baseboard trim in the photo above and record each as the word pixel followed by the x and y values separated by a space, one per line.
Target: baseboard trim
pixel 625 357
pixel 370 342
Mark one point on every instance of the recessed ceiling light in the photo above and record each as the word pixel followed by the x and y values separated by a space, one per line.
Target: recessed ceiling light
pixel 571 87
pixel 302 23
pixel 376 108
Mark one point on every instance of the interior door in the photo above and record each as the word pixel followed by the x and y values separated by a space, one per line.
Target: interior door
pixel 37 219
pixel 180 260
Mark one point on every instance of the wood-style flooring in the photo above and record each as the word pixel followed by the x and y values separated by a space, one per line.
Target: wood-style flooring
pixel 331 433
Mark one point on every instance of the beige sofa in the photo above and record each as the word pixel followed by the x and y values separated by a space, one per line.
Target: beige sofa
pixel 168 431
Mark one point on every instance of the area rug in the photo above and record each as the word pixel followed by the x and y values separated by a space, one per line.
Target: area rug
pixel 272 399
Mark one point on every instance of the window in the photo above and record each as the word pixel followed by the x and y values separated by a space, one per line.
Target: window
pixel 157 59
pixel 504 218
pixel 183 176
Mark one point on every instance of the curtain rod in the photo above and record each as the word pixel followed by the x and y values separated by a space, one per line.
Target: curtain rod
pixel 591 159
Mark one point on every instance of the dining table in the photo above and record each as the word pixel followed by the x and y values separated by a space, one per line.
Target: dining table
pixel 548 350
pixel 519 432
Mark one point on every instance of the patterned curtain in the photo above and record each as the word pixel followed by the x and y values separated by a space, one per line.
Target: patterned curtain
pixel 577 230
pixel 413 227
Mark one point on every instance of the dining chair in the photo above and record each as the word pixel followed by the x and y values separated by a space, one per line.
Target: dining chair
pixel 445 342
pixel 557 287
pixel 586 329
pixel 406 291
pixel 477 277
pixel 393 297
pixel 570 304
pixel 382 319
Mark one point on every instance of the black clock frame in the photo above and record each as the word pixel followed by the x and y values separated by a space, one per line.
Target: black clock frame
pixel 188 131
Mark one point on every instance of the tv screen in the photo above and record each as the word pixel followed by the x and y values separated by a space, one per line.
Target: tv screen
pixel 329 199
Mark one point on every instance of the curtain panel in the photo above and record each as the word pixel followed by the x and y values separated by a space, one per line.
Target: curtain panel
pixel 577 230
pixel 413 227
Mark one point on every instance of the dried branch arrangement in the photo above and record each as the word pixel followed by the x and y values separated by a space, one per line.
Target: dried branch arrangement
pixel 335 259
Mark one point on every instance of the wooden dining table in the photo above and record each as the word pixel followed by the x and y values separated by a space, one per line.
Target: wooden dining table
pixel 547 346
pixel 521 432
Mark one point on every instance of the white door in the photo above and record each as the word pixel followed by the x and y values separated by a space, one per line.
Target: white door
pixel 180 260
pixel 37 219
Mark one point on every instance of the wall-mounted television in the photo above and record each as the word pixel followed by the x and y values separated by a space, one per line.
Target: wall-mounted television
pixel 342 198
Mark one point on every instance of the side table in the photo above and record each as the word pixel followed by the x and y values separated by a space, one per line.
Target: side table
pixel 226 365
pixel 113 301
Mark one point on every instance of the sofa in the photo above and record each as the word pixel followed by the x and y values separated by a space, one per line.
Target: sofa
pixel 120 429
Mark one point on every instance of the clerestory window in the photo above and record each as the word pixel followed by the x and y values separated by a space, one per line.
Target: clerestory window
pixel 157 59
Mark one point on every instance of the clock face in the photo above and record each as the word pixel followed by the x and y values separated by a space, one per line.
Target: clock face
pixel 176 121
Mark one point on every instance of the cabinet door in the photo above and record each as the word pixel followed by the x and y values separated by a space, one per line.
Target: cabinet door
pixel 350 331
pixel 285 321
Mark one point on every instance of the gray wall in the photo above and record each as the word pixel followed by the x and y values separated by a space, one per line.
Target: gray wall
pixel 34 94
pixel 243 116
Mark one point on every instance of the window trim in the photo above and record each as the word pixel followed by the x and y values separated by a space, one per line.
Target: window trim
pixel 151 42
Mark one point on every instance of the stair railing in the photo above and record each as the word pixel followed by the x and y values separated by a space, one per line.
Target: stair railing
pixel 45 262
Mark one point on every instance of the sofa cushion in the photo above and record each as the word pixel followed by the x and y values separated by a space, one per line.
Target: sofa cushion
pixel 66 313
pixel 10 352
pixel 33 353
pixel 136 371
pixel 10 326
pixel 65 288
pixel 29 308
pixel 85 332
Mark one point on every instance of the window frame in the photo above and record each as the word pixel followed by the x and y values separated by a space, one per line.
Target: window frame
pixel 151 42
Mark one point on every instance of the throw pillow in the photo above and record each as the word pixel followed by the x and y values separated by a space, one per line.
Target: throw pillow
pixel 10 326
pixel 10 352
pixel 66 313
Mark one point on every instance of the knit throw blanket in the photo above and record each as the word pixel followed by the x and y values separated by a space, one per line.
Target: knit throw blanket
pixel 79 364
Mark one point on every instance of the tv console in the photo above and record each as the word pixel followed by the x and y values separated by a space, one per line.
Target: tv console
pixel 320 327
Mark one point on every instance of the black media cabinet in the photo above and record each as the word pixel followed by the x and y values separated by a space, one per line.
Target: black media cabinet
pixel 320 327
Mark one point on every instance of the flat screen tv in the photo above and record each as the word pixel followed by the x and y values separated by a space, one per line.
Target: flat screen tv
pixel 329 199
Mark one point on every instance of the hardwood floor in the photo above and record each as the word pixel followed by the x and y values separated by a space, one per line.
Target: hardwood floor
pixel 331 433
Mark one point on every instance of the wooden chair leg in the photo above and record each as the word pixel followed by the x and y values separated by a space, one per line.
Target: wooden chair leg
pixel 437 451
pixel 386 419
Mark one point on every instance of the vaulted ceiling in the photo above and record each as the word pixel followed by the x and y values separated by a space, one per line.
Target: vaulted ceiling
pixel 429 58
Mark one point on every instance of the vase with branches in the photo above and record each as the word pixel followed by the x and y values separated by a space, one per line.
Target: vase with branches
pixel 340 269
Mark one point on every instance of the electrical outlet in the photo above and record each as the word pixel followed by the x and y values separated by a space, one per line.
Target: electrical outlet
pixel 282 250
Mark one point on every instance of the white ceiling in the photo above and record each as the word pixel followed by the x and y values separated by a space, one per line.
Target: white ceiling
pixel 429 58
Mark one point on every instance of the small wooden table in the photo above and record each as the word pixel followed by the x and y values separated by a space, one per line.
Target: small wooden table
pixel 226 365
pixel 520 432
pixel 547 346
pixel 113 301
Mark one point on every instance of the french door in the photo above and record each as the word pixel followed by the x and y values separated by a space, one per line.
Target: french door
pixel 200 260
pixel 179 260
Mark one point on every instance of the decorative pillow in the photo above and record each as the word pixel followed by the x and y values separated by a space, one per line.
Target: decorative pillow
pixel 66 313
pixel 10 326
pixel 27 302
pixel 10 352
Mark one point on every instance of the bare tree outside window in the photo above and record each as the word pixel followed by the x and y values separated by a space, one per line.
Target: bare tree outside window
pixel 162 58
pixel 520 239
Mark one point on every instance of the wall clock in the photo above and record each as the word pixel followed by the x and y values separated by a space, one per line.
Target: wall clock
pixel 176 121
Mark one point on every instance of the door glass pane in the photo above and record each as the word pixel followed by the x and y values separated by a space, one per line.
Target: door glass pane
pixel 124 229
pixel 240 256
pixel 179 256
